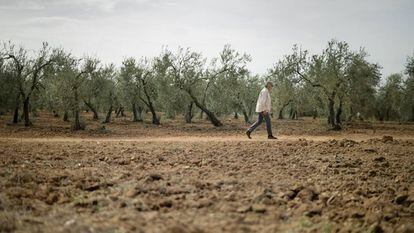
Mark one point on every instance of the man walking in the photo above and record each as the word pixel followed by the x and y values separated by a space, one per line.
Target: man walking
pixel 263 107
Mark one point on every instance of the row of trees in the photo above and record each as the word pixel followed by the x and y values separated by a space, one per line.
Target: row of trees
pixel 343 85
pixel 173 83
pixel 338 83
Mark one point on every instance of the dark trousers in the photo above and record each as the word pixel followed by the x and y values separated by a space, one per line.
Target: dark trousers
pixel 259 121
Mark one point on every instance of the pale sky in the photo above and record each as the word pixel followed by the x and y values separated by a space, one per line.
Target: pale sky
pixel 115 29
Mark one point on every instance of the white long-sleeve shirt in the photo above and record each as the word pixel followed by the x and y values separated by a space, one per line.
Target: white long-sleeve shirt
pixel 264 103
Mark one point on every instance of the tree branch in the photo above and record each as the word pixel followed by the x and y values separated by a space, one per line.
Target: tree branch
pixel 312 83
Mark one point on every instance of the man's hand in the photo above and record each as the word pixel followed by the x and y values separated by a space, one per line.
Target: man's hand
pixel 264 113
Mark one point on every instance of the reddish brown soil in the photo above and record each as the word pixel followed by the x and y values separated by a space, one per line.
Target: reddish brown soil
pixel 135 177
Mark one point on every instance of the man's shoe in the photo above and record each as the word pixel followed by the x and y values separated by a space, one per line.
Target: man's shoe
pixel 248 134
pixel 271 137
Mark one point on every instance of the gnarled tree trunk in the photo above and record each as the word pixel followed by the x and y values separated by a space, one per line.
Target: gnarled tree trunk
pixel 76 124
pixel 150 105
pixel 332 117
pixel 246 116
pixel 108 115
pixel 66 116
pixel 189 113
pixel 155 119
pixel 339 112
pixel 293 114
pixel 93 109
pixel 282 109
pixel 26 112
pixel 120 112
pixel 16 115
pixel 209 114
pixel 16 110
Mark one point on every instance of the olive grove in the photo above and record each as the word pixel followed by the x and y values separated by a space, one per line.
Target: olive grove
pixel 339 83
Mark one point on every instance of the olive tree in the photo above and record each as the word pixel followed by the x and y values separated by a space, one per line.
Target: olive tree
pixel 247 91
pixel 108 94
pixel 361 86
pixel 129 88
pixel 389 98
pixel 72 73
pixel 147 73
pixel 186 70
pixel 139 79
pixel 190 74
pixel 329 72
pixel 28 72
pixel 408 92
pixel 8 90
pixel 172 100
pixel 92 87
pixel 284 88
pixel 229 75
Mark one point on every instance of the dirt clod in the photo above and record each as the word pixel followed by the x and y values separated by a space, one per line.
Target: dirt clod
pixel 258 208
pixel 387 138
pixel 154 177
pixel 379 159
pixel 244 209
pixel 400 199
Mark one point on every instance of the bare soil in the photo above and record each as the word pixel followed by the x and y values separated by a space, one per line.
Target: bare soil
pixel 177 177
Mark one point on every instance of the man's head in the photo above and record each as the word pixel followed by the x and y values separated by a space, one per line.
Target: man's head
pixel 269 86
